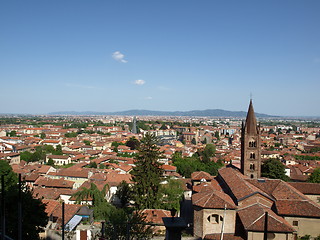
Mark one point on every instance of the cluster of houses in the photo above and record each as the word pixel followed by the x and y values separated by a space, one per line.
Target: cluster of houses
pixel 234 203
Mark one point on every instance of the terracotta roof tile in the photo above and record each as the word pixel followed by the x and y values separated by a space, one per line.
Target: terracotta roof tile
pixel 294 207
pixel 198 176
pixel 213 199
pixel 307 188
pixel 156 215
pixel 253 218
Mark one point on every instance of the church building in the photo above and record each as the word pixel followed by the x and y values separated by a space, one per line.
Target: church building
pixel 240 204
pixel 250 146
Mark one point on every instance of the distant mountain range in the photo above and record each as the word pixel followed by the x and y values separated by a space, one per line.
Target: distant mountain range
pixel 195 113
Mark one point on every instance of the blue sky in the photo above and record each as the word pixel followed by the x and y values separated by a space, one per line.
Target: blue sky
pixel 160 55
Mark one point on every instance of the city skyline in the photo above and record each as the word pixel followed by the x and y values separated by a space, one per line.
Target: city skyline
pixel 109 56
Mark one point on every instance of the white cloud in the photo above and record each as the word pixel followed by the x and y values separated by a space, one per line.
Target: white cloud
pixel 148 98
pixel 139 82
pixel 118 56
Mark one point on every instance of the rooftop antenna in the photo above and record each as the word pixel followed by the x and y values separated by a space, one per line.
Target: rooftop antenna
pixel 250 96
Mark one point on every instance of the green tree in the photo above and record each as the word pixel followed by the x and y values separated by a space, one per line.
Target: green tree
pixel 124 193
pixel 208 152
pixel 12 133
pixel 92 165
pixel 315 176
pixel 50 162
pixel 193 141
pixel 71 135
pixel 147 174
pixel 101 208
pixel 186 166
pixel 87 142
pixel 217 135
pixel 133 143
pixel 123 225
pixel 58 150
pixel 273 168
pixel 163 127
pixel 172 193
pixel 42 135
pixel 32 226
pixel 26 156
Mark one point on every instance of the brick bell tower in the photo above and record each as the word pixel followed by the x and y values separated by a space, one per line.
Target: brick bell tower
pixel 250 145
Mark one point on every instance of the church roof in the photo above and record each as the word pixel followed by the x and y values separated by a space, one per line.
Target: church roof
pixel 251 121
pixel 213 199
pixel 305 208
pixel 253 218
pixel 236 182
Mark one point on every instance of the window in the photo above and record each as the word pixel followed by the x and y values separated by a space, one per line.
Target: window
pixel 252 155
pixel 252 143
pixel 251 166
pixel 214 218
pixel 295 223
pixel 251 176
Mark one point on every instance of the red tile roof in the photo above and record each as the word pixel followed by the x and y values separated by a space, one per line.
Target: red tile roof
pixel 213 199
pixel 156 215
pixel 198 176
pixel 253 218
pixel 292 207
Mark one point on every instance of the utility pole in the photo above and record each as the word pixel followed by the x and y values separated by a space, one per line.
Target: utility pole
pixel 20 210
pixel 265 232
pixel 62 221
pixel 224 219
pixel 3 218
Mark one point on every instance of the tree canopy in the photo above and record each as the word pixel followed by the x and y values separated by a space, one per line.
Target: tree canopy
pixel 101 208
pixel 133 143
pixel 187 165
pixel 147 174
pixel 273 168
pixel 315 176
pixel 172 193
pixel 34 217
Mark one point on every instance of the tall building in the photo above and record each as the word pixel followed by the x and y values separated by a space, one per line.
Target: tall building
pixel 250 146
pixel 134 125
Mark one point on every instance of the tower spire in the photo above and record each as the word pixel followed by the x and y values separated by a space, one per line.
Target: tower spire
pixel 250 145
pixel 251 121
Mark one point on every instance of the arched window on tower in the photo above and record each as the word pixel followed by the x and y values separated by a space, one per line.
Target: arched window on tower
pixel 252 143
pixel 252 166
pixel 252 156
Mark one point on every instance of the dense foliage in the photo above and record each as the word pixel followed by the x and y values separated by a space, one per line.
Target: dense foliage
pixel 315 176
pixel 273 168
pixel 172 193
pixel 201 161
pixel 100 206
pixel 125 225
pixel 40 153
pixel 306 157
pixel 147 174
pixel 33 210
